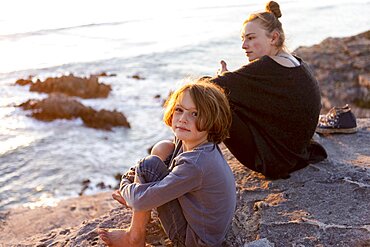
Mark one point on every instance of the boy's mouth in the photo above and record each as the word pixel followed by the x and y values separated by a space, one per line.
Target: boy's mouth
pixel 182 128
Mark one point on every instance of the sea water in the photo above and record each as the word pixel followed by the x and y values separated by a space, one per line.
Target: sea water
pixel 166 42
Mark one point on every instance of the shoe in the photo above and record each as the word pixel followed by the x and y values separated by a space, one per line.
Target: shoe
pixel 337 120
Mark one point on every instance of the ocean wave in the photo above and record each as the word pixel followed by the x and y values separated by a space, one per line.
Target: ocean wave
pixel 15 36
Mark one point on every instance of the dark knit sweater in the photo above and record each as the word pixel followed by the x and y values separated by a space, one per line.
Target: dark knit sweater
pixel 281 106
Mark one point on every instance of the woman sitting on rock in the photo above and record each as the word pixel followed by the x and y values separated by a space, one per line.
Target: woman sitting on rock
pixel 275 101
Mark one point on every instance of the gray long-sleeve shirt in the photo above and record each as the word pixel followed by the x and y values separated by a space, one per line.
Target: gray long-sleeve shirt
pixel 203 183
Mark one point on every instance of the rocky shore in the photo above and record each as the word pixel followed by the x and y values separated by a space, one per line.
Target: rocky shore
pixel 342 67
pixel 325 204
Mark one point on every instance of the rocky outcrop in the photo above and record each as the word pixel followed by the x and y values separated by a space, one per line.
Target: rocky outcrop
pixel 59 106
pixel 341 66
pixel 69 85
pixel 325 204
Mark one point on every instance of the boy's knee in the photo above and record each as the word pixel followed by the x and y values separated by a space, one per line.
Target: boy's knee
pixel 150 169
pixel 163 149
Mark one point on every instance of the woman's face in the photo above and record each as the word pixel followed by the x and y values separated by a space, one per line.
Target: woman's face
pixel 256 43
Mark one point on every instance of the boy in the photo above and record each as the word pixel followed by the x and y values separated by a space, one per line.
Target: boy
pixel 194 193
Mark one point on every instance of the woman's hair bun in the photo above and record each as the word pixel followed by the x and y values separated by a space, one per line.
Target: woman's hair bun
pixel 274 8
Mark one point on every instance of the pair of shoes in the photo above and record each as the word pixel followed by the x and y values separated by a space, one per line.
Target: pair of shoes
pixel 337 120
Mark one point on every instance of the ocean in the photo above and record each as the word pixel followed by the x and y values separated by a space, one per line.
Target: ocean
pixel 166 42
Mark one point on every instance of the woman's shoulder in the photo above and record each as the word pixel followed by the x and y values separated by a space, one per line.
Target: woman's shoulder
pixel 258 64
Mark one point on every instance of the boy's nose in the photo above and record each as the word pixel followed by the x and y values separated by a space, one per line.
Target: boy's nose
pixel 183 117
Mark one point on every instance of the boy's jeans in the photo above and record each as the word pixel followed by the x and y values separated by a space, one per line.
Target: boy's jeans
pixel 151 169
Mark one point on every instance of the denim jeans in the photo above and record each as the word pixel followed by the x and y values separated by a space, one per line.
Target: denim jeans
pixel 151 169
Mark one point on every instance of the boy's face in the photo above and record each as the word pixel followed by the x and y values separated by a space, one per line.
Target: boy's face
pixel 184 122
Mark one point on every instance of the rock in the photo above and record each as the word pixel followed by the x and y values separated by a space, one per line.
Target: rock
pixel 23 82
pixel 260 243
pixel 105 74
pixel 70 85
pixel 364 80
pixel 324 204
pixel 104 119
pixel 338 63
pixel 137 77
pixel 59 106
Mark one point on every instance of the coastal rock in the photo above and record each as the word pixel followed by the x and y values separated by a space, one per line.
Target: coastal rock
pixel 324 204
pixel 340 65
pixel 23 82
pixel 70 85
pixel 59 106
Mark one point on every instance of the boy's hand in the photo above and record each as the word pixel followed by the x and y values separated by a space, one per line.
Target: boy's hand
pixel 130 174
pixel 117 196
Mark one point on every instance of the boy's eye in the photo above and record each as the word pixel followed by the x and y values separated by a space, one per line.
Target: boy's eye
pixel 178 109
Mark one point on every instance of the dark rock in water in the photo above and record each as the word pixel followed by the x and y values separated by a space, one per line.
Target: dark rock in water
pixel 102 185
pixel 70 85
pixel 137 77
pixel 340 65
pixel 104 119
pixel 86 182
pixel 23 82
pixel 59 106
pixel 105 74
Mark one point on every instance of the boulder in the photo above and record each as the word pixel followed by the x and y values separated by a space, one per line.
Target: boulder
pixel 340 65
pixel 59 106
pixel 23 82
pixel 70 85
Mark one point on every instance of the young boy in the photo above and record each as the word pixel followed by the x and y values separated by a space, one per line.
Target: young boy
pixel 194 191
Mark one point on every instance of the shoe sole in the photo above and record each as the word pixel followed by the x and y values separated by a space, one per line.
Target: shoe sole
pixel 333 131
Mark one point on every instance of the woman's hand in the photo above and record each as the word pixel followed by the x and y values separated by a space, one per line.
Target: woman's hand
pixel 223 68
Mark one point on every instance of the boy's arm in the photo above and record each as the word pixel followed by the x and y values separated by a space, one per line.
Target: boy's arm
pixel 127 178
pixel 184 178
